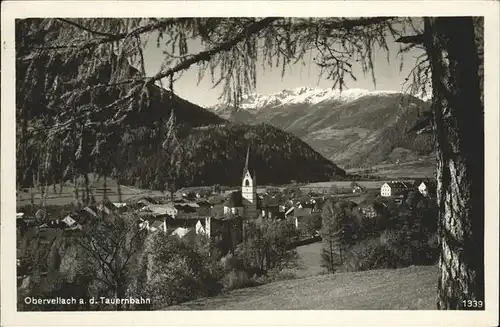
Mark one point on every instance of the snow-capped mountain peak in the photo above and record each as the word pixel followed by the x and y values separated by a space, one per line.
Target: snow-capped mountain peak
pixel 305 94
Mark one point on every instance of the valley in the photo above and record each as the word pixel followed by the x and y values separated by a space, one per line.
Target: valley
pixel 354 129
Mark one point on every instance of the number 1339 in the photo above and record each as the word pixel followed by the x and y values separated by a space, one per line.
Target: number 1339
pixel 472 304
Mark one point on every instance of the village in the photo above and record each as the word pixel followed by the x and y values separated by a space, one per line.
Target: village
pixel 217 214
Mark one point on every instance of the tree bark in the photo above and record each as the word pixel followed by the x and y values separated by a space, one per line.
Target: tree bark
pixel 459 127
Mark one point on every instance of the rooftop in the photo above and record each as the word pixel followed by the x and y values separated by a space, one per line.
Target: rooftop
pixel 234 200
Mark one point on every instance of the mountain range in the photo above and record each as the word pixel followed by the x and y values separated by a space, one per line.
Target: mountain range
pixel 353 128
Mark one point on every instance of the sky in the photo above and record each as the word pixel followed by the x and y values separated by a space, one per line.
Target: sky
pixel 387 74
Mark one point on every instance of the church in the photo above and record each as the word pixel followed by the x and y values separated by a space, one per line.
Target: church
pixel 244 203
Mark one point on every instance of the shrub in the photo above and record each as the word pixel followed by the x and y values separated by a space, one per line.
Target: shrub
pixel 391 249
pixel 309 226
pixel 235 279
pixel 174 270
pixel 266 246
pixel 231 262
pixel 406 235
pixel 276 275
pixel 369 254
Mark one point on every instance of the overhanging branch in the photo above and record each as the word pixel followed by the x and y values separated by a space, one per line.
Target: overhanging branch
pixel 80 26
pixel 412 39
pixel 226 46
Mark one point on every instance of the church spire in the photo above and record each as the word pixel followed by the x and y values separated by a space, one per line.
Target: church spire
pixel 248 165
pixel 246 161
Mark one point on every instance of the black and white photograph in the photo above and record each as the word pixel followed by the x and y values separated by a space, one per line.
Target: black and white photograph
pixel 314 162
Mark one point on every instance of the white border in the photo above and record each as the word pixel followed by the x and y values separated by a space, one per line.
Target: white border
pixel 23 9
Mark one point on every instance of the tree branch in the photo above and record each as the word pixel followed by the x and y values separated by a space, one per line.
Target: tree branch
pixel 80 26
pixel 347 24
pixel 206 55
pixel 413 39
pixel 202 56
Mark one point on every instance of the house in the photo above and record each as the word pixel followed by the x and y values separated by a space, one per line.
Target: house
pixel 190 196
pixel 120 205
pixel 228 231
pixel 53 224
pixel 153 225
pixel 104 209
pixel 158 225
pixel 182 232
pixel 269 207
pixel 203 203
pixel 357 189
pixel 145 201
pixel 368 211
pixel 188 207
pixel 216 199
pixel 394 188
pixel 69 221
pixel 426 187
pixel 41 214
pixel 301 217
pixel 87 214
pixel 234 203
pixel 159 210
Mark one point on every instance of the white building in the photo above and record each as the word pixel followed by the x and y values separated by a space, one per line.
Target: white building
pixel 393 188
pixel 244 202
pixel 427 188
pixel 249 190
pixel 422 188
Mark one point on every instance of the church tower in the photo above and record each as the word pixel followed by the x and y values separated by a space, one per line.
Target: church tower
pixel 249 189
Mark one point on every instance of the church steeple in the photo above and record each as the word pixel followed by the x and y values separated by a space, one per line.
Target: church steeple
pixel 249 188
pixel 246 161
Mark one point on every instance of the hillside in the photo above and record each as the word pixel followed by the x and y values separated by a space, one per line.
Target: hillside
pixel 215 154
pixel 355 128
pixel 412 288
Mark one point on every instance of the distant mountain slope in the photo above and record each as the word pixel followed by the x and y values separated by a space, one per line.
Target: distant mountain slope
pixel 215 154
pixel 355 128
pixel 186 113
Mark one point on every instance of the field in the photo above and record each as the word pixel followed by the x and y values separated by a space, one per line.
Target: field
pixel 309 260
pixel 411 169
pixel 396 289
pixel 56 197
pixel 412 288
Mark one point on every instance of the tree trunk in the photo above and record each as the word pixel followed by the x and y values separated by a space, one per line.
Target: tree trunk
pixel 459 126
pixel 87 189
pixel 120 294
